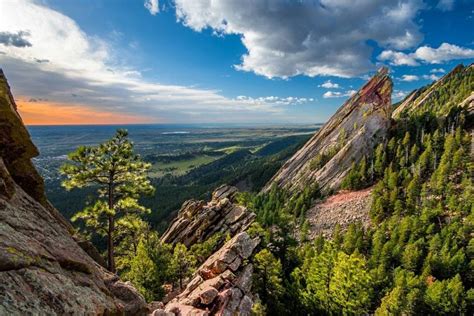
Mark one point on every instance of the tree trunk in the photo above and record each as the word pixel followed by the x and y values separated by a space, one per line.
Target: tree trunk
pixel 110 245
pixel 110 233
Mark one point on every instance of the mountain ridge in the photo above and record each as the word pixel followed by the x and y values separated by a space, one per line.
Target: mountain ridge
pixel 327 156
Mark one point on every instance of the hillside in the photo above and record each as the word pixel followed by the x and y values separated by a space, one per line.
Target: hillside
pixel 441 96
pixel 398 239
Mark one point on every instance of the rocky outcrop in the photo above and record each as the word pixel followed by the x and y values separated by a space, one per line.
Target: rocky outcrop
pixel 221 285
pixel 197 220
pixel 340 209
pixel 43 270
pixel 358 125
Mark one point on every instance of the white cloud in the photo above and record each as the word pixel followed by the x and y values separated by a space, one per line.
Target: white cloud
pixel 152 6
pixel 410 78
pixel 397 58
pixel 399 94
pixel 288 38
pixel 275 100
pixel 329 85
pixel 84 69
pixel 445 5
pixel 432 77
pixel 445 52
pixel 437 70
pixel 338 94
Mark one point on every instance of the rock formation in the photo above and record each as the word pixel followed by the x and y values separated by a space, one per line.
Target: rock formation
pixel 358 125
pixel 221 285
pixel 43 270
pixel 197 221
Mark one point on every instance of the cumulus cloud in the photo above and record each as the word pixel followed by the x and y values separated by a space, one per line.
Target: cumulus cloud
pixel 329 85
pixel 152 6
pixel 410 78
pixel 437 70
pixel 15 39
pixel 445 52
pixel 338 94
pixel 288 38
pixel 85 66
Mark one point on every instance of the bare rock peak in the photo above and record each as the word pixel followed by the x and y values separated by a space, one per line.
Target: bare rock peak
pixel 360 123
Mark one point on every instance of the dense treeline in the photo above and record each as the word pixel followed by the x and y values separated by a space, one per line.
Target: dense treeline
pixel 418 256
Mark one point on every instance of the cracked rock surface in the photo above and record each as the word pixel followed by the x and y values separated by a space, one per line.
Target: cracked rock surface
pixel 359 124
pixel 221 285
pixel 43 270
pixel 198 220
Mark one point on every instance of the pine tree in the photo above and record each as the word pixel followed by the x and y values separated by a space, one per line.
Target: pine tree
pixel 120 177
pixel 183 263
pixel 267 278
pixel 150 267
pixel 350 285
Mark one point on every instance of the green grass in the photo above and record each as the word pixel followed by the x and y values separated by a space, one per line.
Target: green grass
pixel 179 168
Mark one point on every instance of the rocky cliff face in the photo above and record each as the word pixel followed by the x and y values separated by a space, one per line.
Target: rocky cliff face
pixel 359 124
pixel 43 270
pixel 197 220
pixel 221 286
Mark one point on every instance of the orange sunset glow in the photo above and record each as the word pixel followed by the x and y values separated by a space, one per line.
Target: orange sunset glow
pixel 51 113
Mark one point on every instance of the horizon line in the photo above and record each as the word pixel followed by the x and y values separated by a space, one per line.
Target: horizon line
pixel 148 124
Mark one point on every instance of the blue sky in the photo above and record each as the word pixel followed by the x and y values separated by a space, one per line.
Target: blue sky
pixel 180 61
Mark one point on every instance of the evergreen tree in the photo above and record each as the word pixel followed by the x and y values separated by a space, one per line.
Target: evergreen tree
pixel 120 177
pixel 150 268
pixel 350 285
pixel 183 264
pixel 267 278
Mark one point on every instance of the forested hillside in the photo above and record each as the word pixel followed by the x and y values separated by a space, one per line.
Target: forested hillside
pixel 417 257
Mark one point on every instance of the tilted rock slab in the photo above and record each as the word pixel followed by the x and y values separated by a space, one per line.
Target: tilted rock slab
pixel 43 270
pixel 221 285
pixel 197 220
pixel 358 125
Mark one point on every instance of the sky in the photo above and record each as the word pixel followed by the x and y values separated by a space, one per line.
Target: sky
pixel 226 61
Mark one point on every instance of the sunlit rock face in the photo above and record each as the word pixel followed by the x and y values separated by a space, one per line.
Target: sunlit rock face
pixel 359 124
pixel 221 285
pixel 43 270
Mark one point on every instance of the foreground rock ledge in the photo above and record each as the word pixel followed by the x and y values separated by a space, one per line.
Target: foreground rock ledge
pixel 43 270
pixel 221 285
